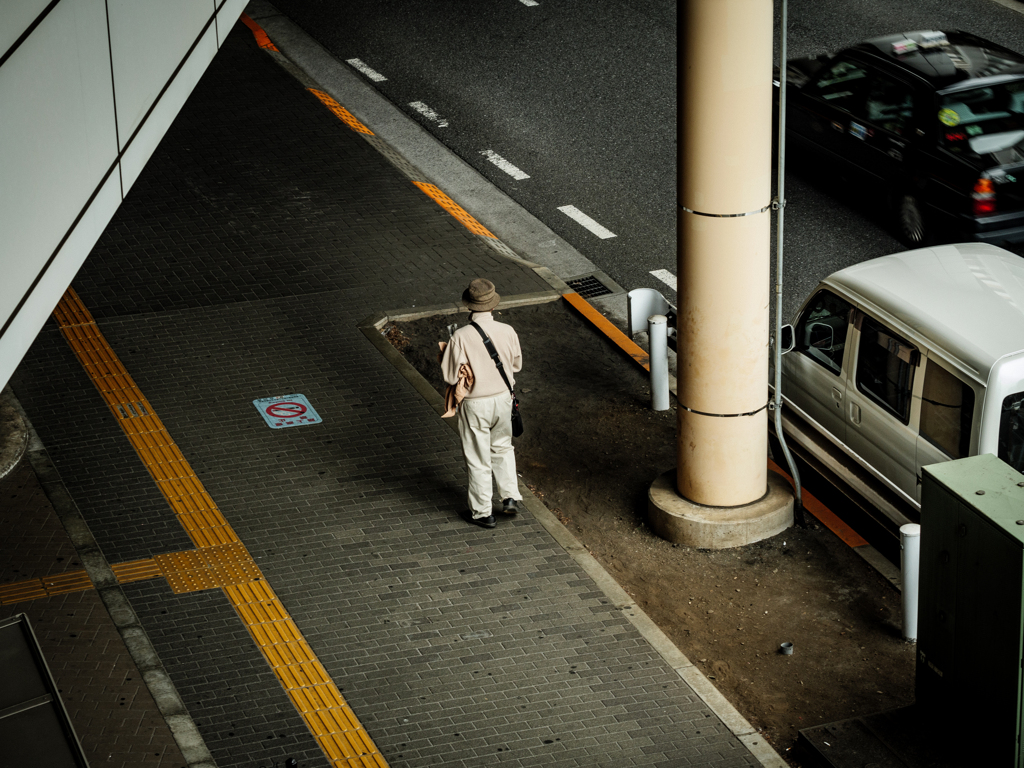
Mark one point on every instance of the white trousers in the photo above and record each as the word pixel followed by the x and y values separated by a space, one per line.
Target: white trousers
pixel 485 426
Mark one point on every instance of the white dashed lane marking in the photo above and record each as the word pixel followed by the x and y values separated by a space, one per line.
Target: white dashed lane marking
pixel 580 217
pixel 529 2
pixel 428 113
pixel 505 165
pixel 666 277
pixel 373 74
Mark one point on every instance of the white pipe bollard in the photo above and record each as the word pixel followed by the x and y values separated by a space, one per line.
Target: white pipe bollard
pixel 910 575
pixel 657 330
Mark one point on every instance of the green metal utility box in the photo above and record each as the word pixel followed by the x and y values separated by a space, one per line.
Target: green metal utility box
pixel 971 607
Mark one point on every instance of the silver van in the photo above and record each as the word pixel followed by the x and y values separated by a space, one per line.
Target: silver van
pixel 912 359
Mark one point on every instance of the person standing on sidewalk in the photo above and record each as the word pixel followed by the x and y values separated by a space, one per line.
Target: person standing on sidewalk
pixel 485 414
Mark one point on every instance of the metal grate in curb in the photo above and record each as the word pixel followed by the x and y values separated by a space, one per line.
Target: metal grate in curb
pixel 589 287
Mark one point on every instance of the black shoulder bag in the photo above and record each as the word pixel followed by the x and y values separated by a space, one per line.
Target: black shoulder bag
pixel 517 417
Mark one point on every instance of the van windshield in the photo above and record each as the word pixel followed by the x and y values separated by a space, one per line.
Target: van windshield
pixel 1011 431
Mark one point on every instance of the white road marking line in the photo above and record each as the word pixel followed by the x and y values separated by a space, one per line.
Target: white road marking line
pixel 580 217
pixel 529 2
pixel 666 277
pixel 373 74
pixel 504 164
pixel 428 113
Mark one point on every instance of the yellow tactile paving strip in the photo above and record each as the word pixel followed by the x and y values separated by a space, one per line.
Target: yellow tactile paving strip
pixel 343 114
pixel 262 40
pixel 191 571
pixel 200 569
pixel 220 559
pixel 454 209
pixel 48 586
pixel 136 570
pixel 196 511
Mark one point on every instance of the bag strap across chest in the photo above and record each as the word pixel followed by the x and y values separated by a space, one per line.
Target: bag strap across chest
pixel 493 353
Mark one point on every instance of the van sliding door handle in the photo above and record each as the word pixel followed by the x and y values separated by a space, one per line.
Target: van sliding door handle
pixel 855 413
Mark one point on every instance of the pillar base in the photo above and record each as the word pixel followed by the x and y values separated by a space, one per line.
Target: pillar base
pixel 681 521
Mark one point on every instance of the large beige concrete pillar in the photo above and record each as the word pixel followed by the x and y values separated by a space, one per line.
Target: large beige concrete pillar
pixel 725 173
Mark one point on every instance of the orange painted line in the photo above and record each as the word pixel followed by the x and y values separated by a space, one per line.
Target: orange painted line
pixel 826 516
pixel 340 112
pixel 606 327
pixel 457 211
pixel 262 40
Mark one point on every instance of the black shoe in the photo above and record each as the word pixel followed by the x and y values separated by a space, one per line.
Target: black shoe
pixel 510 506
pixel 483 522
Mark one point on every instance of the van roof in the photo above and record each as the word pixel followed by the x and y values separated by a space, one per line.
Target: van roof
pixel 967 299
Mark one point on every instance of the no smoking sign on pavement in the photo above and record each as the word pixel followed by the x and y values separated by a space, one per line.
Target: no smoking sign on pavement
pixel 287 411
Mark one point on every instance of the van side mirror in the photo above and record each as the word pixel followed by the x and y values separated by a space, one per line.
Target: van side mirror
pixel 788 339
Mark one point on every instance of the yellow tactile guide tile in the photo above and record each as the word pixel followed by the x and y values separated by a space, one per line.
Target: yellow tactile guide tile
pixel 219 560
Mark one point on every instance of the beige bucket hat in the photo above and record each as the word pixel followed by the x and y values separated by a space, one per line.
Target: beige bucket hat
pixel 481 296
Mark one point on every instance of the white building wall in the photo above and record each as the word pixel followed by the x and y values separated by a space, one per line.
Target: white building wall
pixel 87 90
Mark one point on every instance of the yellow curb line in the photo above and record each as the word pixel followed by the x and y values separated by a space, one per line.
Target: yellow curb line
pixel 610 330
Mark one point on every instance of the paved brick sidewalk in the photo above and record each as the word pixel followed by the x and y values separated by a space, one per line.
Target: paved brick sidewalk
pixel 111 709
pixel 260 235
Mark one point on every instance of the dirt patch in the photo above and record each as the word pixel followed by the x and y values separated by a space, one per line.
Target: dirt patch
pixel 591 449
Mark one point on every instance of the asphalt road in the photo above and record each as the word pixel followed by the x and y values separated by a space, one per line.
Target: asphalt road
pixel 580 98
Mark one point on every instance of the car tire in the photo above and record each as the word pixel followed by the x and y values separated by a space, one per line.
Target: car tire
pixel 911 225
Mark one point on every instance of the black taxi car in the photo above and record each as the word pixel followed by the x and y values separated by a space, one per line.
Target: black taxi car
pixel 934 121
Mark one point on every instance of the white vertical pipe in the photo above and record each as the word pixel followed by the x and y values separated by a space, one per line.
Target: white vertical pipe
pixel 910 574
pixel 780 204
pixel 657 330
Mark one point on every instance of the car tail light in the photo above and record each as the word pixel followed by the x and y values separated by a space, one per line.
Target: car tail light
pixel 984 197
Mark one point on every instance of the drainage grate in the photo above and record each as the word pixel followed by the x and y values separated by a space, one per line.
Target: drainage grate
pixel 588 287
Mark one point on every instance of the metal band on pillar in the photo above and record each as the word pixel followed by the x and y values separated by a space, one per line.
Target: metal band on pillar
pixel 725 415
pixel 726 215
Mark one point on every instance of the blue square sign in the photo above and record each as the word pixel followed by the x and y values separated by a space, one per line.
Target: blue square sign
pixel 287 411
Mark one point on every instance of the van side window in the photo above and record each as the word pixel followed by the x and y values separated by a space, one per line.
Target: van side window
pixel 885 368
pixel 947 409
pixel 1011 431
pixel 821 332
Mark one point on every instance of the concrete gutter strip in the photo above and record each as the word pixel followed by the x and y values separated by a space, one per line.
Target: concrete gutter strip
pixel 137 642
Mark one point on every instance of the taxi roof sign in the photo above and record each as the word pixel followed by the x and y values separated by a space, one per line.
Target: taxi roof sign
pixel 932 39
pixel 904 46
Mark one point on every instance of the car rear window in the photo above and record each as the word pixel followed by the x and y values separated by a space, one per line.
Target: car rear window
pixel 982 120
pixel 1011 431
